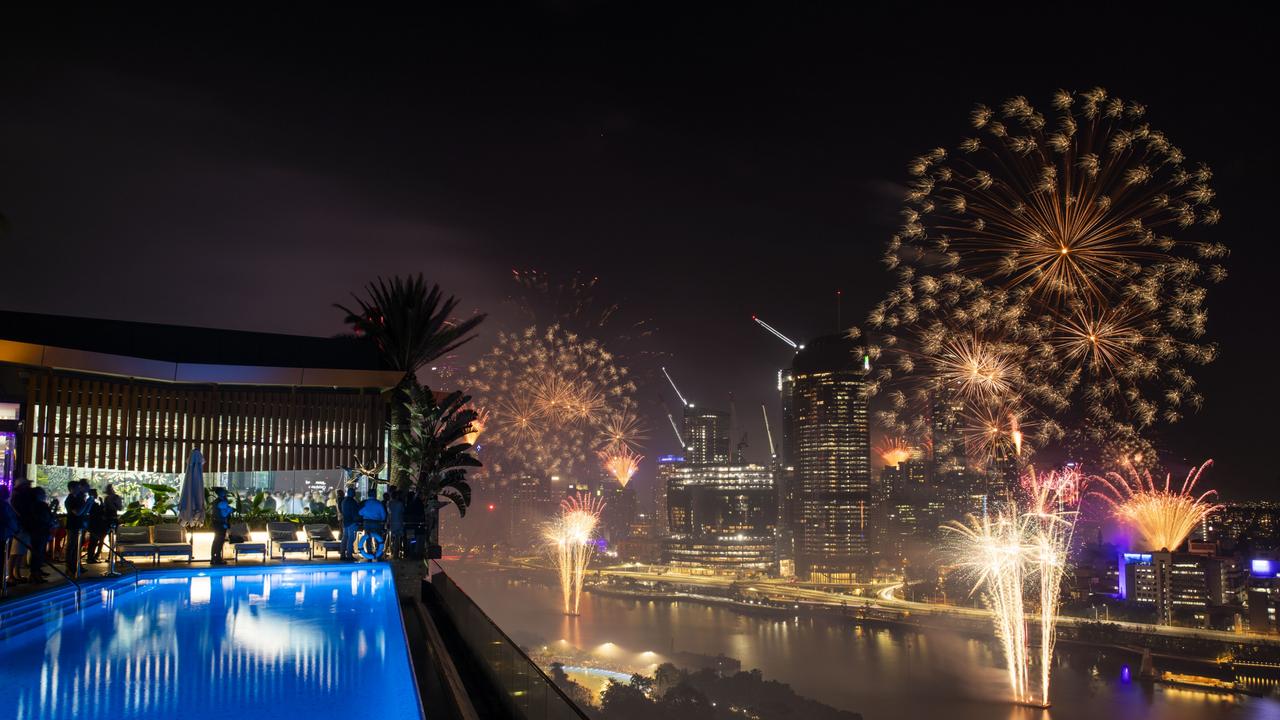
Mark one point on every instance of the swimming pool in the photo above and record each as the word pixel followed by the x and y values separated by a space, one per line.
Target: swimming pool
pixel 310 643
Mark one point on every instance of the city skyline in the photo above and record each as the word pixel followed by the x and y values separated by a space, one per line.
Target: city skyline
pixel 634 361
pixel 585 163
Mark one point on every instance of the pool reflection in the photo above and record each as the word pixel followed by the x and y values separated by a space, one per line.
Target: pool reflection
pixel 296 643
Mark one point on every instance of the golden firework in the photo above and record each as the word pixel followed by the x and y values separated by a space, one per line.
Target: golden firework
pixel 893 451
pixel 623 430
pixel 570 539
pixel 551 394
pixel 620 463
pixel 1012 552
pixel 1162 515
pixel 1054 261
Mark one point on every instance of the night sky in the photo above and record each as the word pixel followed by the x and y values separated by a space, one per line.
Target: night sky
pixel 248 170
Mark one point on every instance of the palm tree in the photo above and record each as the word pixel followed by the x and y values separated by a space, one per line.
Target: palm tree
pixel 410 323
pixel 436 453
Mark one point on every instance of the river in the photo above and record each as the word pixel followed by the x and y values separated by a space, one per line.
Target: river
pixel 882 672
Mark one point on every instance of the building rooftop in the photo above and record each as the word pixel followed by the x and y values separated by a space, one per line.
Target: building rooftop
pixel 189 345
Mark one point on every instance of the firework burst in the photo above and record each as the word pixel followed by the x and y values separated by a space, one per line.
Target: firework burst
pixel 1052 261
pixel 1055 490
pixel 623 430
pixel 1163 515
pixel 477 426
pixel 552 396
pixel 893 451
pixel 570 541
pixel 620 463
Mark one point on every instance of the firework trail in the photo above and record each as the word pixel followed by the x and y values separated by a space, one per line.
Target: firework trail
pixel 569 538
pixel 1164 516
pixel 620 463
pixel 1051 525
pixel 1015 549
pixel 552 396
pixel 993 549
pixel 1051 265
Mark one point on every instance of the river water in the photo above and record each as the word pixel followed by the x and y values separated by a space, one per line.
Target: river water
pixel 881 672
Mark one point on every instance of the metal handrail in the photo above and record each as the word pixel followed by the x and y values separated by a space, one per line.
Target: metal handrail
pixel 511 644
pixel 111 548
pixel 48 562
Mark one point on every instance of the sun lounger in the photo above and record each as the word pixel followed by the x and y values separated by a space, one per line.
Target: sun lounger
pixel 135 541
pixel 322 540
pixel 242 544
pixel 171 540
pixel 284 537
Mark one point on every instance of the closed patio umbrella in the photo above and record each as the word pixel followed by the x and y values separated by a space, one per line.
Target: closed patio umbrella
pixel 191 501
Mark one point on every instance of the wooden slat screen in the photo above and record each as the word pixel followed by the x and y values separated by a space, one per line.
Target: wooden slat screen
pixel 116 424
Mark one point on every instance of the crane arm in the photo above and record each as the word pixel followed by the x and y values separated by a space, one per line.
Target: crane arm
pixel 780 336
pixel 768 433
pixel 673 387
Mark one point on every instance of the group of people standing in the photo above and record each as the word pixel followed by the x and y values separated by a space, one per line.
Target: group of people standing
pixel 384 522
pixel 34 527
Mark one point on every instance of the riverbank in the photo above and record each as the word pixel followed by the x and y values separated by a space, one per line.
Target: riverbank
pixel 882 670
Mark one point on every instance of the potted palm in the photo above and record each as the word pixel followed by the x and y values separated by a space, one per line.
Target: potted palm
pixel 436 453
pixel 411 323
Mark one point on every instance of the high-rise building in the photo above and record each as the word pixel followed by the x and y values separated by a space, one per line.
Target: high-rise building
pixel 722 518
pixel 784 474
pixel 706 436
pixel 832 458
pixel 667 465
pixel 949 467
pixel 1182 586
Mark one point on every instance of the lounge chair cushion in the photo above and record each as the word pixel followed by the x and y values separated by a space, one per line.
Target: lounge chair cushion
pixel 168 534
pixel 133 535
pixel 285 537
pixel 319 532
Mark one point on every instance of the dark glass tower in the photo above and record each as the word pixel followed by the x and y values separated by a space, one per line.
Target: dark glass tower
pixel 832 459
pixel 706 436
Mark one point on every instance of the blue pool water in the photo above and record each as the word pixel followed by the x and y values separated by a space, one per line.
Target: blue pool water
pixel 309 643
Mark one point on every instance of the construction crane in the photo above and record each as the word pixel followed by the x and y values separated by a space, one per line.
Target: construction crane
pixel 684 402
pixel 767 432
pixel 794 345
pixel 676 429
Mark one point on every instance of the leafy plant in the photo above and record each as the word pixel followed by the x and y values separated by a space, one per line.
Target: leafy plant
pixel 410 323
pixel 163 505
pixel 434 446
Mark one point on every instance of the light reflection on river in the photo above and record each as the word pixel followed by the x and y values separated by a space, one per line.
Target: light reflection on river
pixel 881 672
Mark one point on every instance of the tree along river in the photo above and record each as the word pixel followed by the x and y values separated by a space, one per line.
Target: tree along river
pixel 878 670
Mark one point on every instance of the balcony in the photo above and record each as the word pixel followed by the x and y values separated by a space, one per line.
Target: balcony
pixel 467 667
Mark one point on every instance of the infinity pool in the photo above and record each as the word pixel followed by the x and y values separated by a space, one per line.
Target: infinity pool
pixel 309 643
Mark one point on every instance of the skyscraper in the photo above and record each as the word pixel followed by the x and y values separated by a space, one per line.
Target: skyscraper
pixel 784 473
pixel 722 517
pixel 832 459
pixel 667 466
pixel 706 436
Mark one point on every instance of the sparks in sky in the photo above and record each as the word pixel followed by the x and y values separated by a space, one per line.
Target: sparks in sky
pixel 893 451
pixel 1022 547
pixel 1055 264
pixel 1162 514
pixel 570 540
pixel 620 463
pixel 552 396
